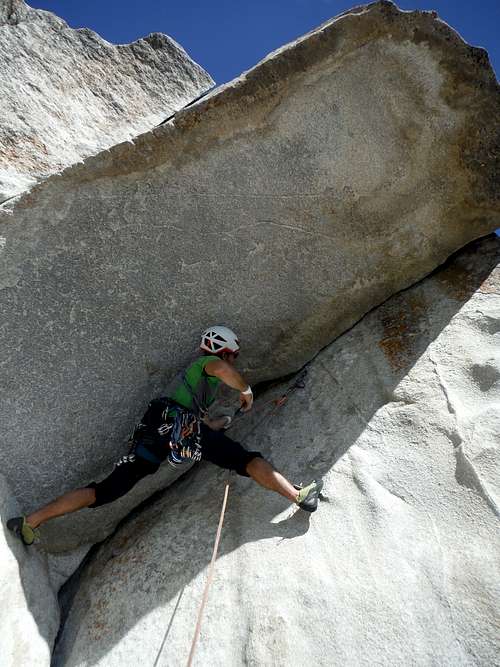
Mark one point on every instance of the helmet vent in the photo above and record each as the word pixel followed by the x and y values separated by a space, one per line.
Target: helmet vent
pixel 218 339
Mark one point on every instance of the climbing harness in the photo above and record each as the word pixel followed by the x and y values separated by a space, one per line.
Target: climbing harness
pixel 277 403
pixel 166 424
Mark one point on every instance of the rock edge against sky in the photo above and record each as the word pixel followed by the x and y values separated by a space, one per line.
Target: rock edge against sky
pixel 66 94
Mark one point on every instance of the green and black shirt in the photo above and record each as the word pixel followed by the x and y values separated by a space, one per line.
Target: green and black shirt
pixel 194 389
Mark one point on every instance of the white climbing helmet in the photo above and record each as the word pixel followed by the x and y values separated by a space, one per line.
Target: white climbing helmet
pixel 219 339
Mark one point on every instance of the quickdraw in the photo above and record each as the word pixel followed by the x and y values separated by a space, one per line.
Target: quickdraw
pixel 298 384
pixel 277 402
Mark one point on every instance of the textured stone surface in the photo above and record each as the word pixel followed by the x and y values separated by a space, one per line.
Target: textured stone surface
pixel 29 612
pixel 286 204
pixel 399 565
pixel 64 534
pixel 66 94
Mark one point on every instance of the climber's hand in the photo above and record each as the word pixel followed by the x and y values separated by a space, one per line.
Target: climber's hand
pixel 246 401
pixel 217 424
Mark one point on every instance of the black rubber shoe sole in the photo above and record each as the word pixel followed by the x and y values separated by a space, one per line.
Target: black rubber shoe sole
pixel 310 502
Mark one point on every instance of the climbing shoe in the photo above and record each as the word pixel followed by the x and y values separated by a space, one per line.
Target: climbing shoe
pixel 307 498
pixel 21 529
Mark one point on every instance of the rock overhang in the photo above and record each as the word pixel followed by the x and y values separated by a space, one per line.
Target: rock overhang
pixel 467 66
pixel 286 203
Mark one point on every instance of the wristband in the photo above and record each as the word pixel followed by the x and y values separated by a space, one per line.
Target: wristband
pixel 248 391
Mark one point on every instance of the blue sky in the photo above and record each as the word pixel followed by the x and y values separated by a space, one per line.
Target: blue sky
pixel 227 37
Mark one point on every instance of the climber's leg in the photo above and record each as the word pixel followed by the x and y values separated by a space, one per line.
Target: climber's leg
pixel 217 448
pixel 69 502
pixel 264 474
pixel 24 527
pixel 127 472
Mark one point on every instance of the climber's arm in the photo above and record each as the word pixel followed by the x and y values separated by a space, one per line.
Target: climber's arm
pixel 230 376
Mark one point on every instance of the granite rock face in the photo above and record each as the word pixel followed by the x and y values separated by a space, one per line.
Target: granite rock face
pixel 66 94
pixel 399 565
pixel 286 204
pixel 29 618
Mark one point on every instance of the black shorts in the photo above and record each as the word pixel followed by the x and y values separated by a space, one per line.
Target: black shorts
pixel 127 472
pixel 216 447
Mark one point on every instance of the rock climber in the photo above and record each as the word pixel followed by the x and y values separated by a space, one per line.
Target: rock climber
pixel 176 428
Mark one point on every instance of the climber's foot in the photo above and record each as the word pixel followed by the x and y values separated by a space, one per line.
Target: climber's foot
pixel 21 529
pixel 307 498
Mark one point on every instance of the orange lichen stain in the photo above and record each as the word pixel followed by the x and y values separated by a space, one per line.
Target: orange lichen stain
pixel 456 282
pixel 492 283
pixel 400 329
pixel 99 624
pixel 463 278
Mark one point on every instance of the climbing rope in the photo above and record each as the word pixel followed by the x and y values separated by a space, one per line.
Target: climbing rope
pixel 210 576
pixel 278 403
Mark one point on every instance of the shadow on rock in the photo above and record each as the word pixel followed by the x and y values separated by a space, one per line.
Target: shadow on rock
pixel 162 549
